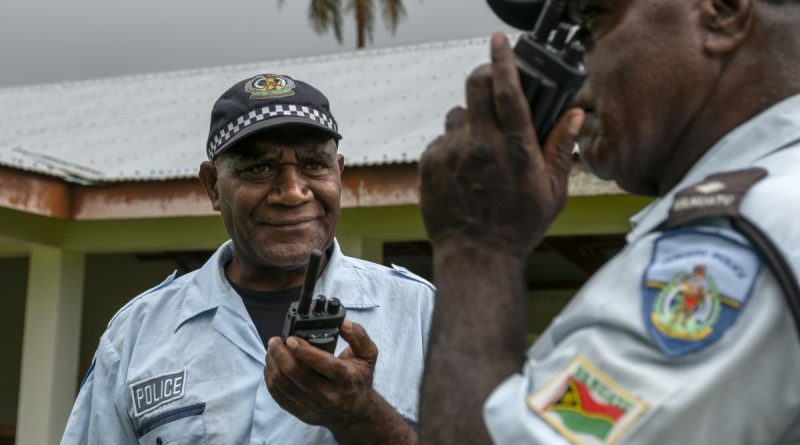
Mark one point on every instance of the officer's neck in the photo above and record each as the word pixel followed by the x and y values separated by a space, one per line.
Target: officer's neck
pixel 740 94
pixel 265 278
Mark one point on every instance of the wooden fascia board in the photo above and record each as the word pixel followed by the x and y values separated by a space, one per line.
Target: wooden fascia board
pixel 34 193
pixel 375 186
pixel 134 200
pixel 362 187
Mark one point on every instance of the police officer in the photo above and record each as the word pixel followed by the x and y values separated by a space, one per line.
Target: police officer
pixel 687 336
pixel 187 361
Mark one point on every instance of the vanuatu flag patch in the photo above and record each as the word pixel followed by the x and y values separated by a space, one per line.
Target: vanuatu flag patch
pixel 586 406
pixel 696 285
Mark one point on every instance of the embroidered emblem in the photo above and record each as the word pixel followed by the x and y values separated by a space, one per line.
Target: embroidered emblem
pixel 695 287
pixel 586 406
pixel 269 86
pixel 156 391
pixel 688 306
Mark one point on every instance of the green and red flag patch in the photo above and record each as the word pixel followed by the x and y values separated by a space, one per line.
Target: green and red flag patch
pixel 586 406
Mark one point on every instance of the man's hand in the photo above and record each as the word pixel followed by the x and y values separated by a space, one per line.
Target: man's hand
pixel 334 392
pixel 487 179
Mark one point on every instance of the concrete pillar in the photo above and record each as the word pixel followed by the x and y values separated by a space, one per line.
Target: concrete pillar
pixel 50 345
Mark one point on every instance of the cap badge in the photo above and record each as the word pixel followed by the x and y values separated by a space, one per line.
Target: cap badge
pixel 269 86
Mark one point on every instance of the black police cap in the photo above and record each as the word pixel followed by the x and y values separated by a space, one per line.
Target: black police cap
pixel 266 101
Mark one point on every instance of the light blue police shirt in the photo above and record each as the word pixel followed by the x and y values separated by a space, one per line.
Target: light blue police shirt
pixel 183 363
pixel 684 337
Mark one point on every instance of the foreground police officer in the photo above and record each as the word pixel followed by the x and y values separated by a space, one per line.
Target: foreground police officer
pixel 686 336
pixel 184 363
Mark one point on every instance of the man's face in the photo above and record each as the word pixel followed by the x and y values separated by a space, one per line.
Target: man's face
pixel 648 78
pixel 279 195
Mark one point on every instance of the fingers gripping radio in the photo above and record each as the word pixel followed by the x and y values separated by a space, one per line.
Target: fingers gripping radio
pixel 549 59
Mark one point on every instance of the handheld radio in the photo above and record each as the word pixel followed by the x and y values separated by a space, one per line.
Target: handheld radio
pixel 549 60
pixel 316 320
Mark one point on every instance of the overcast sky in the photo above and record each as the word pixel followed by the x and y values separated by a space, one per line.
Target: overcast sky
pixel 45 41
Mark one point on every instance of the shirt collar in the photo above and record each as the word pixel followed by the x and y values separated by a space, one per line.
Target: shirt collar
pixel 343 279
pixel 771 130
pixel 210 289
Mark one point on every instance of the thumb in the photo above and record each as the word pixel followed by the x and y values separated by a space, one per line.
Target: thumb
pixel 361 345
pixel 558 149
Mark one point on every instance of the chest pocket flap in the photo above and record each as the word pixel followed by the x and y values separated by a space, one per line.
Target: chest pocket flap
pixel 180 426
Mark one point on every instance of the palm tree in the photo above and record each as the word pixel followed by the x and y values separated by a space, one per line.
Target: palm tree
pixel 327 14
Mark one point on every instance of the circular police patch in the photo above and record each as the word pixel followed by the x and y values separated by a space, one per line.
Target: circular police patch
pixel 269 86
pixel 695 287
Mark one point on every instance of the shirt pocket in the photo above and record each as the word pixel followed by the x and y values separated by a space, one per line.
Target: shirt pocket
pixel 180 426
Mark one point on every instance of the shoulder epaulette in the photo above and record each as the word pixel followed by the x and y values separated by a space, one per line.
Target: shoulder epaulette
pixel 412 276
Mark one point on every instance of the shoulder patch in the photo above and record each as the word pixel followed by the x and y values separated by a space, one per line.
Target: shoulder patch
pixel 695 287
pixel 412 276
pixel 150 393
pixel 586 406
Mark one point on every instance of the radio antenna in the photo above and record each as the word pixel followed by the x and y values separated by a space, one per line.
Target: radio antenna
pixel 548 19
pixel 307 292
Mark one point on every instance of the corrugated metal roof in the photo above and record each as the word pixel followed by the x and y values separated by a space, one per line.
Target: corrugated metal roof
pixel 389 103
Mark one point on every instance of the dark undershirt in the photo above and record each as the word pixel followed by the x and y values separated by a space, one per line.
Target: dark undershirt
pixel 267 309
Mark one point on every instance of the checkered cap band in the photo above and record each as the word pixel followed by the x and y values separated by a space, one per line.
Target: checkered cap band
pixel 267 113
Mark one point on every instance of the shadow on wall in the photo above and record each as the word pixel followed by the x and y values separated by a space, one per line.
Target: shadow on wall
pixel 13 283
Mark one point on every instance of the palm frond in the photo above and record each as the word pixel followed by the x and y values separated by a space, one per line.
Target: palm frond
pixel 364 11
pixel 326 14
pixel 393 12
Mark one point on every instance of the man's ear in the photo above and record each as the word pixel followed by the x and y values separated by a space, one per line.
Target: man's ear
pixel 340 161
pixel 728 24
pixel 208 177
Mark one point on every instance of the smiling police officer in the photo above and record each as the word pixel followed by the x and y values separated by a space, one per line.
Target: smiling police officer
pixel 688 335
pixel 186 363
